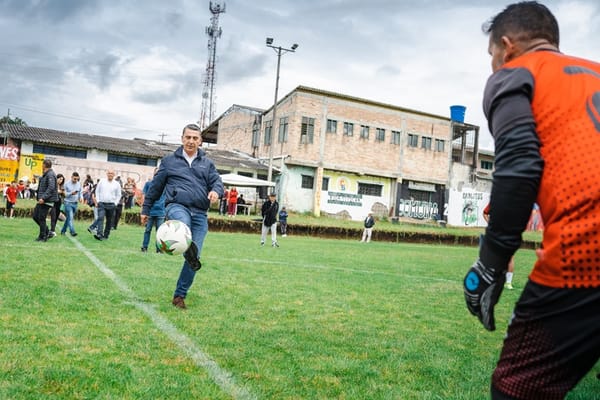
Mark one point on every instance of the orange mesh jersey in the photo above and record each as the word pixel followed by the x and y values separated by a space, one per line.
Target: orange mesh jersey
pixel 566 108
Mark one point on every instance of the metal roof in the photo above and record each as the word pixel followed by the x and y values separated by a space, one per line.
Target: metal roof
pixel 137 147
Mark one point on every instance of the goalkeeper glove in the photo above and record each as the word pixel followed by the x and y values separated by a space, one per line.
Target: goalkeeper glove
pixel 482 288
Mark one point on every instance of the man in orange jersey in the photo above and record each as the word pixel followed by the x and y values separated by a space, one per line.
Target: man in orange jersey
pixel 543 109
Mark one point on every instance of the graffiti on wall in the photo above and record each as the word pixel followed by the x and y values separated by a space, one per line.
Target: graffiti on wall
pixel 417 209
pixel 470 207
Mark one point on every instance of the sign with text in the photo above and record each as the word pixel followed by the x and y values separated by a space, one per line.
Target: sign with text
pixel 8 171
pixel 30 165
pixel 10 153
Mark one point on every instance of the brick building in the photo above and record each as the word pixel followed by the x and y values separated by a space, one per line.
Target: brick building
pixel 347 156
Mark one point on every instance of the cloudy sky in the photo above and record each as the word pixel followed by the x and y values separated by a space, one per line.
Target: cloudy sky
pixel 134 68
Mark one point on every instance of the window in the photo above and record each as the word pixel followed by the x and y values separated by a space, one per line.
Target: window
pixel 247 174
pixel 59 151
pixel 396 137
pixel 331 126
pixel 440 145
pixel 364 132
pixel 419 195
pixel 307 130
pixel 308 182
pixel 268 130
pixel 426 143
pixel 348 128
pixel 283 129
pixel 487 165
pixel 255 135
pixel 112 157
pixel 380 135
pixel 325 184
pixel 413 140
pixel 369 189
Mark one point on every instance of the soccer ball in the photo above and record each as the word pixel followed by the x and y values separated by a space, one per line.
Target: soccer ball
pixel 173 237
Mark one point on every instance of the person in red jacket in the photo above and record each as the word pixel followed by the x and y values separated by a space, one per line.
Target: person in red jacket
pixel 543 110
pixel 232 202
pixel 11 199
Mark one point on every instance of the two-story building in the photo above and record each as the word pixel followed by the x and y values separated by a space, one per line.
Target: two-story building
pixel 347 156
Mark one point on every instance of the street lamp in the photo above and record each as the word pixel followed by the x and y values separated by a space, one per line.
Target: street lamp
pixel 279 50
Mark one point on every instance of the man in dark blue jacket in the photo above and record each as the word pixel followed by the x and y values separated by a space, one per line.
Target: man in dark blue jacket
pixel 190 182
pixel 47 194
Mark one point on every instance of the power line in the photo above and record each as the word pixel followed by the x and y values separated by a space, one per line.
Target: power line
pixel 66 116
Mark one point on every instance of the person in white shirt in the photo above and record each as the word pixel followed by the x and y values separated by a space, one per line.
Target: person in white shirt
pixel 106 198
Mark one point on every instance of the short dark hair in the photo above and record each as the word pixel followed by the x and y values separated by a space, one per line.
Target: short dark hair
pixel 193 127
pixel 524 21
pixel 75 174
pixel 47 163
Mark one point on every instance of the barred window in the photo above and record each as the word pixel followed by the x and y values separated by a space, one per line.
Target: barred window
pixel 308 182
pixel 307 130
pixel 325 184
pixel 380 135
pixel 489 165
pixel 369 189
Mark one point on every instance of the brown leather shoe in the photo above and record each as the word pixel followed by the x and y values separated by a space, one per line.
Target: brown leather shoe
pixel 178 302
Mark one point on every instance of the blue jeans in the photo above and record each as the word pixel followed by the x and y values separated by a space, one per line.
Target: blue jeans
pixel 70 210
pixel 152 221
pixel 198 224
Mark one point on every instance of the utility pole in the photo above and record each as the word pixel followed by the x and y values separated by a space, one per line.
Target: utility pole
pixel 279 50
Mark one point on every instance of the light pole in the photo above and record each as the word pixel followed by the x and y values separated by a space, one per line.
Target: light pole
pixel 279 50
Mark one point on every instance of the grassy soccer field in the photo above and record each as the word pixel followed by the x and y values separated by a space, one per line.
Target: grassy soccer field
pixel 313 319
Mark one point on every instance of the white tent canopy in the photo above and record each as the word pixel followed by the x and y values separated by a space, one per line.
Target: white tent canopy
pixel 244 181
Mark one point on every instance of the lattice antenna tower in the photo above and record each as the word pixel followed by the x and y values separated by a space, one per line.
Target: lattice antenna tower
pixel 208 91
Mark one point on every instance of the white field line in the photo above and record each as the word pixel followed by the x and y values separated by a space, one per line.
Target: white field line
pixel 222 378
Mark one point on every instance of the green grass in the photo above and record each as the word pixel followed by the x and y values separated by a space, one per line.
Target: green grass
pixel 313 319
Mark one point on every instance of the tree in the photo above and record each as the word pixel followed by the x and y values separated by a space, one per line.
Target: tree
pixel 15 121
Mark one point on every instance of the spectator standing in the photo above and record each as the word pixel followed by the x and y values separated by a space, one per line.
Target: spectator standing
pixel 232 202
pixel 47 194
pixel 369 223
pixel 11 194
pixel 107 195
pixel 120 204
pixel 223 202
pixel 129 188
pixel 55 212
pixel 283 216
pixel 156 216
pixel 269 211
pixel 190 182
pixel 73 195
pixel 33 188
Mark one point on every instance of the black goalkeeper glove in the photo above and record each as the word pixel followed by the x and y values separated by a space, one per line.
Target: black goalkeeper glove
pixel 482 288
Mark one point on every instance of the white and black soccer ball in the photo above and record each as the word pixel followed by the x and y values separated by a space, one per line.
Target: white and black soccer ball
pixel 173 237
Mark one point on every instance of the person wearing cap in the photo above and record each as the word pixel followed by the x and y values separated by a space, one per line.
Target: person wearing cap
pixel 269 213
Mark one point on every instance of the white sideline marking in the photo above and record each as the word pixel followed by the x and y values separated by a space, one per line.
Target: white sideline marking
pixel 222 378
